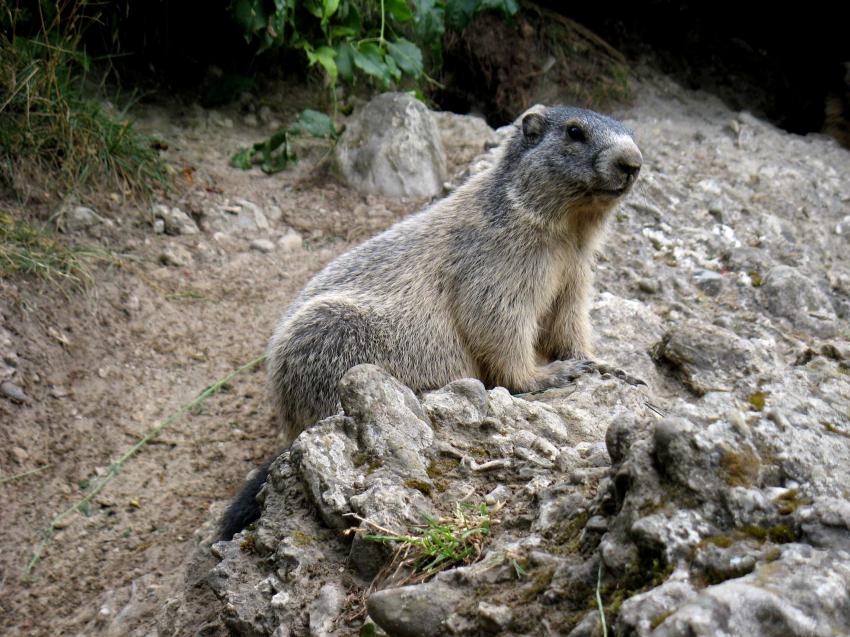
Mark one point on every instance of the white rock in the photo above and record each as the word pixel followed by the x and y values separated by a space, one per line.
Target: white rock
pixel 291 241
pixel 262 245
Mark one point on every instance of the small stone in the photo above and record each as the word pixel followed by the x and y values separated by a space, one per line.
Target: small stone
pixel 158 226
pixel 250 120
pixel 13 392
pixel 262 245
pixel 500 494
pixel 175 220
pixel 280 599
pixel 79 218
pixel 265 114
pixel 20 455
pixel 175 256
pixel 709 282
pixel 291 241
pixel 58 391
pixel 650 286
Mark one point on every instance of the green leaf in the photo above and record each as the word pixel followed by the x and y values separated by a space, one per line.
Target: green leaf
pixel 407 55
pixel 345 60
pixel 315 7
pixel 368 630
pixel 342 31
pixel 249 14
pixel 274 142
pixel 459 13
pixel 429 22
pixel 314 123
pixel 392 67
pixel 242 159
pixel 399 10
pixel 368 58
pixel 329 7
pixel 324 55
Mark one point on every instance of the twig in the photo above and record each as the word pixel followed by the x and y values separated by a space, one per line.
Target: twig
pixel 599 601
pixel 23 475
pixel 115 467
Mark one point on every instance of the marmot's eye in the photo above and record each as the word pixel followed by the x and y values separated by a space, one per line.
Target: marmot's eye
pixel 576 134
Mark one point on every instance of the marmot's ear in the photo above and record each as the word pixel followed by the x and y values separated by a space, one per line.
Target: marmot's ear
pixel 533 126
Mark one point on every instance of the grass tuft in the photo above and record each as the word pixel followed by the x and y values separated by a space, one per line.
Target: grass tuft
pixel 53 137
pixel 439 543
pixel 27 249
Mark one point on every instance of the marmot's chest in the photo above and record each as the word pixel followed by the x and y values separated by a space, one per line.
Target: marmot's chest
pixel 565 273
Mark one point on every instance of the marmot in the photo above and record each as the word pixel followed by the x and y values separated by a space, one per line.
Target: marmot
pixel 492 282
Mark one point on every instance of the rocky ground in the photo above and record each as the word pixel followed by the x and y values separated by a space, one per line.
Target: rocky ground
pixel 714 499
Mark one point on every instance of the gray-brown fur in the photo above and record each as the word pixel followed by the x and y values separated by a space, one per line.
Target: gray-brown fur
pixel 492 282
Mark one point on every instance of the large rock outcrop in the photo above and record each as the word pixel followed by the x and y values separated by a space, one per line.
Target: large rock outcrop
pixel 714 500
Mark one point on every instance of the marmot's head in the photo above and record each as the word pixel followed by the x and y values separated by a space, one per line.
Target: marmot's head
pixel 563 158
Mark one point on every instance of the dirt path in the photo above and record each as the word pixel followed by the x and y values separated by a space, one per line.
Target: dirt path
pixel 103 366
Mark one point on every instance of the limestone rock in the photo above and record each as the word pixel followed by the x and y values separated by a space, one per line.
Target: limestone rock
pixel 392 147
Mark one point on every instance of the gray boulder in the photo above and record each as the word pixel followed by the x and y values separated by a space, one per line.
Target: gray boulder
pixel 392 147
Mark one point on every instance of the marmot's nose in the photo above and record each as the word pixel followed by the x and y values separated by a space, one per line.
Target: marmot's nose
pixel 629 161
pixel 628 167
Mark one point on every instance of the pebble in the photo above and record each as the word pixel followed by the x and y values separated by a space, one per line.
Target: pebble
pixel 262 245
pixel 13 392
pixel 291 241
pixel 175 256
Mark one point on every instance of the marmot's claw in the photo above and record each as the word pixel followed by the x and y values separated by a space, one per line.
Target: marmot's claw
pixel 602 368
pixel 586 366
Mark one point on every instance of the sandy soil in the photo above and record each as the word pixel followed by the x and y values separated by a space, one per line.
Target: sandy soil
pixel 103 366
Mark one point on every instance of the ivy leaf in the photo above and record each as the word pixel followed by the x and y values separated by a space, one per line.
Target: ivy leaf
pixel 368 58
pixel 459 13
pixel 399 10
pixel 345 60
pixel 314 123
pixel 324 55
pixel 407 55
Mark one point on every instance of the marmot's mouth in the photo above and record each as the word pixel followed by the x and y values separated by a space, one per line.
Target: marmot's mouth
pixel 612 192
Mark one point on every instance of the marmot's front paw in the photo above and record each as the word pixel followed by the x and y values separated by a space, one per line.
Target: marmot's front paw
pixel 561 373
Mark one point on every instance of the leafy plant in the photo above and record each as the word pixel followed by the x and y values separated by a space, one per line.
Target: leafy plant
pixel 278 152
pixel 383 40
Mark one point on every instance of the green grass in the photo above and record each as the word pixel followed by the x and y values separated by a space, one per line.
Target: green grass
pixel 55 134
pixel 27 249
pixel 445 542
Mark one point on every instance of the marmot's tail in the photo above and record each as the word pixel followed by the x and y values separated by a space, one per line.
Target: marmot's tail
pixel 244 508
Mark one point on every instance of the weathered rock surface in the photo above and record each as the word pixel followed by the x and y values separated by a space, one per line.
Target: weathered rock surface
pixel 712 501
pixel 175 221
pixel 392 147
